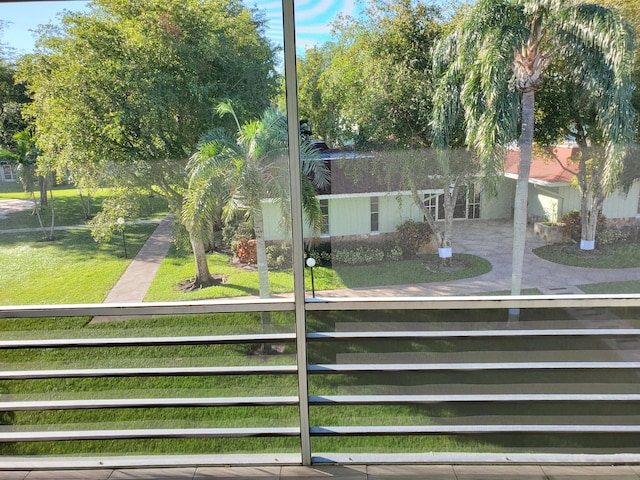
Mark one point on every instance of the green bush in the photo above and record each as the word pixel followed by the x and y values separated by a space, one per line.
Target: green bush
pixel 357 256
pixel 321 256
pixel 411 236
pixel 609 236
pixel 279 256
pixel 573 224
pixel 394 254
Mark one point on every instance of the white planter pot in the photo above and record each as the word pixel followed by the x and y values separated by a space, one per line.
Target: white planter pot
pixel 445 252
pixel 587 244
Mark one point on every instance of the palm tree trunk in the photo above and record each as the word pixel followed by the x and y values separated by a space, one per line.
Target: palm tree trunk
pixel 261 252
pixel 522 192
pixel 203 275
pixel 263 267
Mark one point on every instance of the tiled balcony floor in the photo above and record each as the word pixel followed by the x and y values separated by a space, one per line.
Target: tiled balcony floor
pixel 356 472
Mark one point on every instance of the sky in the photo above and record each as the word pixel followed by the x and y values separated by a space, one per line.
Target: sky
pixel 313 19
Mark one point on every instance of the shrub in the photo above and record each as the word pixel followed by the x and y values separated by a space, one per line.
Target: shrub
pixel 609 236
pixel 322 257
pixel 573 224
pixel 246 251
pixel 357 256
pixel 411 236
pixel 394 254
pixel 279 256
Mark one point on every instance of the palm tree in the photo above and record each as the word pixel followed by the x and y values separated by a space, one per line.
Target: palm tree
pixel 492 65
pixel 245 170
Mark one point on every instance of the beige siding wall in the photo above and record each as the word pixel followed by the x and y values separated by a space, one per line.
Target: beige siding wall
pixel 273 229
pixel 349 216
pixel 545 203
pixel 500 206
pixel 617 205
pixel 394 210
pixel 622 205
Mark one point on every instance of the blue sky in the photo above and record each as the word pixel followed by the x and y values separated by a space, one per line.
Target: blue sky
pixel 313 18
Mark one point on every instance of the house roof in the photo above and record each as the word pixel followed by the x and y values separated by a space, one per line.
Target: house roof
pixel 545 169
pixel 359 172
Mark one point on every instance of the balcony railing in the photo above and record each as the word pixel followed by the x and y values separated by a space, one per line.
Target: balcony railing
pixel 385 380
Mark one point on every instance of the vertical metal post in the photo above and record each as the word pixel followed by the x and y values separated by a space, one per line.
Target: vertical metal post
pixel 297 247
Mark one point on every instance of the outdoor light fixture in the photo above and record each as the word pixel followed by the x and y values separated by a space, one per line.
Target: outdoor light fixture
pixel 311 262
pixel 120 222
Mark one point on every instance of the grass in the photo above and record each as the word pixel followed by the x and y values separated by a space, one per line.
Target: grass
pixel 611 256
pixel 68 208
pixel 71 269
pixel 630 286
pixel 267 385
pixel 178 266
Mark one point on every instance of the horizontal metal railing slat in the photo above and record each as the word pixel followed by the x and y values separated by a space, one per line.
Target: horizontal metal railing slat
pixel 49 436
pixel 149 372
pixel 148 341
pixel 146 309
pixel 395 335
pixel 146 403
pixel 412 367
pixel 471 398
pixel 471 429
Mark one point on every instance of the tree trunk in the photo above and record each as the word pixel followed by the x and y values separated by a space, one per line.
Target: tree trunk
pixel 444 249
pixel 42 186
pixel 435 229
pixel 589 212
pixel 203 275
pixel 263 267
pixel 261 252
pixel 522 192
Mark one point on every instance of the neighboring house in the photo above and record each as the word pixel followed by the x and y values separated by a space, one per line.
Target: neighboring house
pixel 553 191
pixel 7 172
pixel 359 205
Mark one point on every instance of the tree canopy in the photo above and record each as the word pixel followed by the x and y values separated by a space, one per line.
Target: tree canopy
pixel 495 61
pixel 136 81
pixel 373 83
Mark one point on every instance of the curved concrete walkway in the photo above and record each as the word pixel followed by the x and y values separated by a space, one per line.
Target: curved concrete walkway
pixel 492 240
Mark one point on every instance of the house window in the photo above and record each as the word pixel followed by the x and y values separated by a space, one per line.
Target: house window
pixel 375 212
pixel 324 208
pixel 431 202
pixel 8 175
pixel 473 202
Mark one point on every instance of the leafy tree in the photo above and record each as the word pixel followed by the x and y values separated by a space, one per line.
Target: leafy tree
pixel 566 111
pixel 373 83
pixel 494 62
pixel 251 166
pixel 30 173
pixel 128 88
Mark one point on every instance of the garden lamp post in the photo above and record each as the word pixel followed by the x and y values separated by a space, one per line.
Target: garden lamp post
pixel 311 262
pixel 124 243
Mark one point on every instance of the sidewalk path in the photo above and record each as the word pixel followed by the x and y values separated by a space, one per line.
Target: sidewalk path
pixel 136 280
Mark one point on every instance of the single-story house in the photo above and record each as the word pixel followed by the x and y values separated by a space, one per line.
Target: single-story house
pixel 553 191
pixel 359 205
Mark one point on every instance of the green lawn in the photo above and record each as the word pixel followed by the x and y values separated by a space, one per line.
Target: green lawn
pixel 68 208
pixel 71 269
pixel 266 385
pixel 178 266
pixel 624 255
